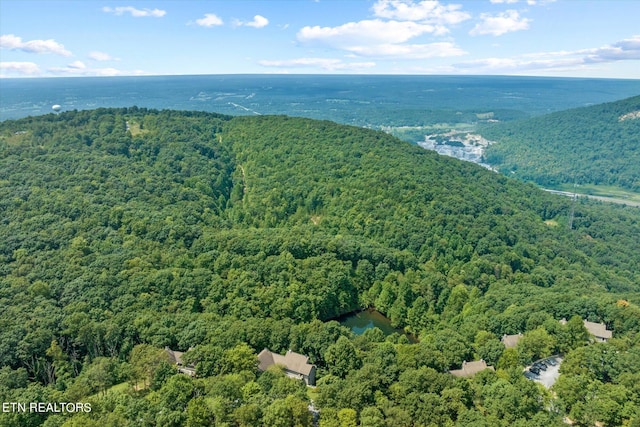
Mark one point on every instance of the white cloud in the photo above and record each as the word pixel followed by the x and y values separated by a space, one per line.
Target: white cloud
pixel 409 51
pixel 110 72
pixel 499 24
pixel 23 68
pixel 396 22
pixel 624 50
pixel 627 49
pixel 101 56
pixel 629 44
pixel 368 31
pixel 209 20
pixel 258 22
pixel 517 65
pixel 70 70
pixel 77 65
pixel 426 11
pixel 13 42
pixel 136 13
pixel 328 64
pixel 79 68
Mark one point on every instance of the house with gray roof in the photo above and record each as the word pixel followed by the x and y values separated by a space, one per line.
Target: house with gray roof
pixel 511 341
pixel 599 331
pixel 469 369
pixel 295 365
pixel 175 357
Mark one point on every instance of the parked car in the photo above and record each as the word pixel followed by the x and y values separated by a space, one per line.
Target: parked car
pixel 540 365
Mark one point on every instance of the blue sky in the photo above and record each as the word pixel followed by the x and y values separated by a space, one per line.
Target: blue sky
pixel 572 38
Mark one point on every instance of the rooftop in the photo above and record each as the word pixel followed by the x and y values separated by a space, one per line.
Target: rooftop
pixel 598 330
pixel 510 341
pixel 292 361
pixel 469 369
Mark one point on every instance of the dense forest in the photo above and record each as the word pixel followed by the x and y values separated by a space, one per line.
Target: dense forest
pixel 599 144
pixel 125 231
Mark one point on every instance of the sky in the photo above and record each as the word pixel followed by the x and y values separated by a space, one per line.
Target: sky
pixel 568 38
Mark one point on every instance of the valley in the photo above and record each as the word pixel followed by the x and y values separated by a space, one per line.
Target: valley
pixel 139 236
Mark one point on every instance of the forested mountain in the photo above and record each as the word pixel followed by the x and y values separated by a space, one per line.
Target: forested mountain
pixel 127 230
pixel 599 144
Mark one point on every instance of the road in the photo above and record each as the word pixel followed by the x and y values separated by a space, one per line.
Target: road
pixel 600 198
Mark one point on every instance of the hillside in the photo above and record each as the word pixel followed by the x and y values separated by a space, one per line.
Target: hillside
pixel 599 145
pixel 128 230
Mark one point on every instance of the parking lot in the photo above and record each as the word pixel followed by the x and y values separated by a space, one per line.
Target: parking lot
pixel 548 376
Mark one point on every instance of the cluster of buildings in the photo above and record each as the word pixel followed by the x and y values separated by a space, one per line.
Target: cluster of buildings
pixel 598 332
pixel 297 365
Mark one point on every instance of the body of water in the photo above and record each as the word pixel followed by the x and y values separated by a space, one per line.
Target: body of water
pixel 360 321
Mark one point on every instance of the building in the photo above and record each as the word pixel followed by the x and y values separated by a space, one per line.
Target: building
pixel 295 365
pixel 175 357
pixel 469 369
pixel 511 341
pixel 599 331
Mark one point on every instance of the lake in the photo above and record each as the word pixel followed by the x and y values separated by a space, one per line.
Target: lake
pixel 360 321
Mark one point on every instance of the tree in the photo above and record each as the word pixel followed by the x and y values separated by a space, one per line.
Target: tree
pixel 457 299
pixel 371 417
pixel 512 401
pixel 535 344
pixel 239 358
pixel 248 415
pixel 288 412
pixel 342 357
pixel 571 390
pixel 347 417
pixel 488 347
pixel 101 373
pixel 198 413
pixel 207 359
pixel 62 366
pixel 577 334
pixel 177 392
pixel 146 360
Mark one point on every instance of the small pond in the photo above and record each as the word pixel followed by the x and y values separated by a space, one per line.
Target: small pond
pixel 360 321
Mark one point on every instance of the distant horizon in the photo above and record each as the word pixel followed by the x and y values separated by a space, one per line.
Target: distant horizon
pixel 541 38
pixel 347 98
pixel 524 76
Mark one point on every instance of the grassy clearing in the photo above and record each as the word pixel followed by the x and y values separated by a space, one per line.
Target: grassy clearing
pixel 601 191
pixel 135 128
pixel 312 393
pixel 15 138
pixel 118 389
